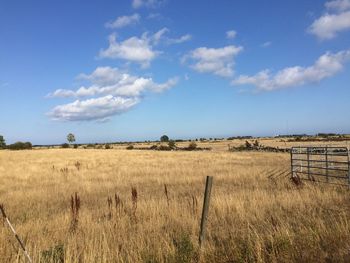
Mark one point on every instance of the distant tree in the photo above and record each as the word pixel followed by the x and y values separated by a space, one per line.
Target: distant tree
pixel 70 138
pixel 2 142
pixel 164 138
pixel 65 145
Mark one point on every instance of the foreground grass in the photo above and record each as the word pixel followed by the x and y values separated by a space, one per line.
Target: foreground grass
pixel 256 215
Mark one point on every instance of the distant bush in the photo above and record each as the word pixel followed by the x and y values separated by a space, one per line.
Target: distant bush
pixel 163 148
pixel 65 145
pixel 20 146
pixel 130 147
pixel 107 146
pixel 192 146
pixel 75 146
pixel 153 147
pixel 172 144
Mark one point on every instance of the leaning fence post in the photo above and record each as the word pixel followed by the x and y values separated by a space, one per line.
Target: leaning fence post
pixel 14 232
pixel 206 201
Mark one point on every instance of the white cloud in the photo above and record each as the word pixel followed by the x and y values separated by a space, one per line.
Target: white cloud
pixel 219 61
pixel 154 16
pixel 112 91
pixel 123 21
pixel 133 49
pixel 160 36
pixel 92 109
pixel 140 49
pixel 266 44
pixel 330 24
pixel 338 5
pixel 146 3
pixel 111 81
pixel 181 39
pixel 326 66
pixel 231 34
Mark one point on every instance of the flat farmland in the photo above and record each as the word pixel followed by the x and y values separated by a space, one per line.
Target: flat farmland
pixel 256 213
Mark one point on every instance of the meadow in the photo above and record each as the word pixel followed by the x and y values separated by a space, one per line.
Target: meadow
pixel 256 213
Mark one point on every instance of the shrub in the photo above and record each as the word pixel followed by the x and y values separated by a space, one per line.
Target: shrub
pixel 163 148
pixel 172 144
pixel 130 147
pixel 153 147
pixel 192 146
pixel 65 145
pixel 107 146
pixel 75 146
pixel 248 145
pixel 20 146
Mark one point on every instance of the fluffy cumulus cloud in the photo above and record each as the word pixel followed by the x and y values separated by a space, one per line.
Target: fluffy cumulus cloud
pixel 219 61
pixel 231 34
pixel 123 21
pixel 140 49
pixel 133 49
pixel 333 22
pixel 111 81
pixel 110 92
pixel 92 109
pixel 326 66
pixel 146 3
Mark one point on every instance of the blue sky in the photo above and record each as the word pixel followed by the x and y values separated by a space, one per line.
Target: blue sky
pixel 134 70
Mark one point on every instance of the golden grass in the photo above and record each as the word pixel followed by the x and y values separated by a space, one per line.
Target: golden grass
pixel 254 216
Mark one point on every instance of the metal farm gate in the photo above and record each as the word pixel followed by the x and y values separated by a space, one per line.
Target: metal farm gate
pixel 326 164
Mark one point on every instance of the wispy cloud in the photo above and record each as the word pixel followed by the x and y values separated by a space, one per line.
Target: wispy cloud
pixel 330 24
pixel 147 3
pixel 266 44
pixel 231 34
pixel 338 5
pixel 326 66
pixel 123 21
pixel 219 61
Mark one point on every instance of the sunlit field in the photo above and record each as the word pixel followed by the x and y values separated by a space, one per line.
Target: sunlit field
pixel 256 213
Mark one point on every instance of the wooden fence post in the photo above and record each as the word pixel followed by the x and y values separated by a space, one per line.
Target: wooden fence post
pixel 206 202
pixel 14 232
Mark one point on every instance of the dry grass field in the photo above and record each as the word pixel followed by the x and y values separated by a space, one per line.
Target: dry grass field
pixel 256 213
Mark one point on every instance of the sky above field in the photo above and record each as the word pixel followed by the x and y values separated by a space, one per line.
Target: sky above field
pixel 136 69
